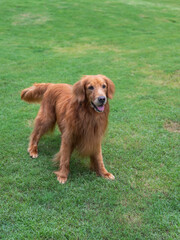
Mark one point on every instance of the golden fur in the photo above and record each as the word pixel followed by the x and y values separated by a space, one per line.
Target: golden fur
pixel 79 115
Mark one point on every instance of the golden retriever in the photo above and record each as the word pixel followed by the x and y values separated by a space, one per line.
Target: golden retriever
pixel 81 113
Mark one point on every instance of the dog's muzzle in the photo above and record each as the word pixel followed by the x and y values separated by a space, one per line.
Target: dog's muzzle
pixel 99 104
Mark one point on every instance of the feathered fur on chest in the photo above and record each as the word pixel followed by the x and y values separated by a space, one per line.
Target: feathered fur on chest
pixel 87 127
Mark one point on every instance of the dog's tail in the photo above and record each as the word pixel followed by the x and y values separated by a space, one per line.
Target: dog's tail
pixel 35 93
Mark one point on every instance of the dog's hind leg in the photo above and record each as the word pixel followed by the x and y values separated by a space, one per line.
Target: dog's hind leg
pixel 44 122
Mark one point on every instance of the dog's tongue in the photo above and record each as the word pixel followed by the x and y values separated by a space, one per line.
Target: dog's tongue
pixel 100 108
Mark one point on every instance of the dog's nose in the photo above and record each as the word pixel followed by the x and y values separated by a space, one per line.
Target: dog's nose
pixel 101 99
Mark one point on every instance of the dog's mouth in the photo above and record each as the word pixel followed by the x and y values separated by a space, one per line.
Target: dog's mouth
pixel 99 108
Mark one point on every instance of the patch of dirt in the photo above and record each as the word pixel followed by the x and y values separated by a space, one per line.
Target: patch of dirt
pixel 133 219
pixel 29 19
pixel 148 4
pixel 172 126
pixel 159 77
pixel 30 123
pixel 84 48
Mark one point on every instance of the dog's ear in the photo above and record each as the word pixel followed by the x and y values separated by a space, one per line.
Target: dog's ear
pixel 110 87
pixel 79 90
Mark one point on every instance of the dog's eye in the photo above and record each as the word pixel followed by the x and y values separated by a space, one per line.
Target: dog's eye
pixel 91 87
pixel 103 86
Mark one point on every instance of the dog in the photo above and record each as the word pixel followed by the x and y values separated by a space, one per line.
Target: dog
pixel 81 113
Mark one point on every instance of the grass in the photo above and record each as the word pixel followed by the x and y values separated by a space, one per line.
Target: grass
pixel 133 42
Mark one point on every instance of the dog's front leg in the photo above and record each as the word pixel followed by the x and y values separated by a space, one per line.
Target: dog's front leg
pixel 64 158
pixel 98 166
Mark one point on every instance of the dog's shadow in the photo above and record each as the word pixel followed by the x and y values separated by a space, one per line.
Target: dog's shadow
pixel 49 146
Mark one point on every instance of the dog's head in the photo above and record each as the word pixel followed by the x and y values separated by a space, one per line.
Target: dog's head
pixel 95 89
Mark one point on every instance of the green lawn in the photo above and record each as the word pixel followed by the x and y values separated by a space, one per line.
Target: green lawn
pixel 136 43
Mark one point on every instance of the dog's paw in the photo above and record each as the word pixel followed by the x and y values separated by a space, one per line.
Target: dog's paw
pixel 108 176
pixel 33 153
pixel 61 179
